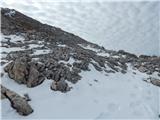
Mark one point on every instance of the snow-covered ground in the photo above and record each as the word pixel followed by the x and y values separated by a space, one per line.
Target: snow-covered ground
pixel 131 26
pixel 96 96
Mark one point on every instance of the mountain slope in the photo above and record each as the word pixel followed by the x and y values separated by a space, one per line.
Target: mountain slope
pixel 68 77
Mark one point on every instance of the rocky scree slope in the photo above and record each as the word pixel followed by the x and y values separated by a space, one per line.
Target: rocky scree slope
pixel 40 52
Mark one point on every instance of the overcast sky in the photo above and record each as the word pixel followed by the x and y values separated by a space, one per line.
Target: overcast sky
pixel 132 26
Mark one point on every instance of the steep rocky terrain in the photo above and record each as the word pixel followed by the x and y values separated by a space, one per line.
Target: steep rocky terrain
pixel 33 52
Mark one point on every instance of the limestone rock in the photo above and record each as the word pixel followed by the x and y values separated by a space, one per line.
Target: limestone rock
pixel 23 71
pixel 35 78
pixel 17 102
pixel 17 70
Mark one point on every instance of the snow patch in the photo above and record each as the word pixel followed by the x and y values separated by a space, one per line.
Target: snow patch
pixel 31 46
pixel 61 45
pixel 98 51
pixel 12 38
pixel 40 52
pixel 10 13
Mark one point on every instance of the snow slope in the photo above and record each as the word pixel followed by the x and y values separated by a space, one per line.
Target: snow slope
pixel 131 26
pixel 96 96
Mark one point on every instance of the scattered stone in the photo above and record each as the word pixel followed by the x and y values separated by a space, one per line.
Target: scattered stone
pixel 2 63
pixel 152 80
pixel 60 86
pixel 69 65
pixel 73 77
pixel 98 68
pixel 76 70
pixel 2 74
pixel 123 71
pixel 95 80
pixel 134 73
pixel 84 65
pixel 113 67
pixel 142 69
pixel 106 75
pixel 155 81
pixel 109 71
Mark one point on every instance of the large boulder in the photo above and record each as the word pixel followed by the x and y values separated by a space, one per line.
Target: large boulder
pixel 17 70
pixel 24 71
pixel 17 102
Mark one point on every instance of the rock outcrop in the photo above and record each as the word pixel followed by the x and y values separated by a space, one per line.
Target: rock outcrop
pixel 63 46
pixel 47 52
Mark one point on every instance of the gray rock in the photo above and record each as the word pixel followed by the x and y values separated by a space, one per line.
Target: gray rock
pixel 25 72
pixel 35 78
pixel 73 77
pixel 26 97
pixel 17 102
pixel 142 69
pixel 123 71
pixel 61 85
pixel 49 74
pixel 76 70
pixel 155 81
pixel 109 71
pixel 51 63
pixel 17 70
pixel 113 67
pixel 84 65
pixel 98 68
